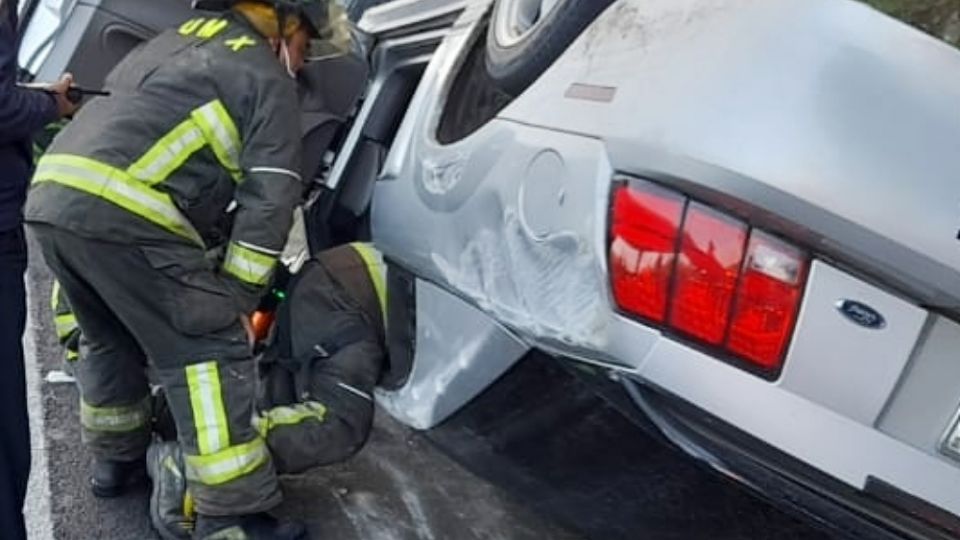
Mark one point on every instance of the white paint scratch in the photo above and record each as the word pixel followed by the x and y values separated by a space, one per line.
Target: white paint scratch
pixel 37 510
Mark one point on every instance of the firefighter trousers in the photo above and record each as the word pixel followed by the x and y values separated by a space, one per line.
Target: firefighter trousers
pixel 166 303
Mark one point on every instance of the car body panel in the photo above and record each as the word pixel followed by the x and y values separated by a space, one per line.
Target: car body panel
pixel 531 270
pixel 843 448
pixel 924 402
pixel 854 102
pixel 450 367
pixel 844 366
pixel 406 16
pixel 88 37
pixel 391 56
pixel 832 138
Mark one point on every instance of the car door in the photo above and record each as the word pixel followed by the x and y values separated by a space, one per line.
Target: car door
pixel 89 37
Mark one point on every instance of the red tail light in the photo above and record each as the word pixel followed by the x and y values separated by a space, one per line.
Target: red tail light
pixel 767 301
pixel 710 256
pixel 704 274
pixel 646 224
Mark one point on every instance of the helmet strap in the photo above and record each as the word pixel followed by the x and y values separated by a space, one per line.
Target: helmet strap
pixel 285 59
pixel 283 13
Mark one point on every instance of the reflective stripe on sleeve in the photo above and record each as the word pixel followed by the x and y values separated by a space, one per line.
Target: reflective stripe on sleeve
pixel 209 124
pixel 228 464
pixel 249 265
pixel 115 186
pixel 169 153
pixel 65 324
pixel 115 419
pixel 220 131
pixel 209 414
pixel 276 170
pixel 375 269
pixel 260 249
pixel 290 415
pixel 355 391
pixel 55 296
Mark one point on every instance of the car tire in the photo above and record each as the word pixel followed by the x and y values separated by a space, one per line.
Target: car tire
pixel 521 45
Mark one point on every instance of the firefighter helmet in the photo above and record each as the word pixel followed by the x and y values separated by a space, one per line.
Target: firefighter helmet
pixel 276 18
pixel 314 13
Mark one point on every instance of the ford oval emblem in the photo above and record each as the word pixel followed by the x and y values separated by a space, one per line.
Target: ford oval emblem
pixel 861 314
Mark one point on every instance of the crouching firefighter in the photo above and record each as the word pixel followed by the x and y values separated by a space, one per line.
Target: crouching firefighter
pixel 316 378
pixel 197 146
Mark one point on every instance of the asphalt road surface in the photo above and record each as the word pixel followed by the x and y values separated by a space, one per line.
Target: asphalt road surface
pixel 537 483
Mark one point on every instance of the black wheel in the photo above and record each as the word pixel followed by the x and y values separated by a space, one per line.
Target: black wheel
pixel 526 36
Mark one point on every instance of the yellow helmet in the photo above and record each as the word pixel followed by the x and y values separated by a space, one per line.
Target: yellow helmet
pixel 282 18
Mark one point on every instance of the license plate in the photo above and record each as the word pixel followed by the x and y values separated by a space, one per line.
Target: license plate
pixel 951 441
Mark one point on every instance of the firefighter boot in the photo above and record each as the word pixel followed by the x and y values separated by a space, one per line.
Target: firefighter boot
pixel 171 507
pixel 249 527
pixel 114 478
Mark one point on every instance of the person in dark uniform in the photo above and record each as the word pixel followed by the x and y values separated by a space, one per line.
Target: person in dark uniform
pixel 316 378
pixel 196 148
pixel 22 112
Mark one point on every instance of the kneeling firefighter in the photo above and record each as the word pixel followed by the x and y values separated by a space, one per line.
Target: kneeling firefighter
pixel 198 146
pixel 316 378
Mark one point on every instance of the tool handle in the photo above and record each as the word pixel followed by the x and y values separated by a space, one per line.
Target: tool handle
pixel 75 94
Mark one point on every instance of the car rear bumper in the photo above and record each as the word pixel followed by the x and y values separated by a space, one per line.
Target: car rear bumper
pixel 879 511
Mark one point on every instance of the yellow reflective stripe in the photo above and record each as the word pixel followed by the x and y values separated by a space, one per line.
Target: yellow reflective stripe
pixel 209 124
pixel 189 506
pixel 65 324
pixel 248 265
pixel 220 131
pixel 115 419
pixel 237 44
pixel 55 296
pixel 211 28
pixel 117 187
pixel 169 153
pixel 228 464
pixel 375 269
pixel 230 533
pixel 203 28
pixel 209 414
pixel 72 356
pixel 288 416
pixel 190 26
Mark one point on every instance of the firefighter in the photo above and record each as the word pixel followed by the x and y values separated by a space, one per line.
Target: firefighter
pixel 317 376
pixel 197 146
pixel 315 405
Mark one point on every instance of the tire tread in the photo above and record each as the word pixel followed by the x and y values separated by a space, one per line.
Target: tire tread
pixel 516 67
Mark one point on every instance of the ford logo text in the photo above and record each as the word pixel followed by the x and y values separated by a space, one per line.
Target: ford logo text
pixel 861 314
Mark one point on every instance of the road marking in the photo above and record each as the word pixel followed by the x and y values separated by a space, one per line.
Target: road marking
pixel 39 516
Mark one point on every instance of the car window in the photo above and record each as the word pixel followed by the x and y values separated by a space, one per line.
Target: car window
pixel 40 32
pixel 355 8
pixel 940 18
